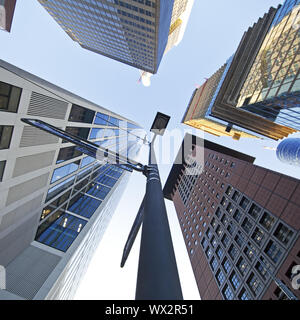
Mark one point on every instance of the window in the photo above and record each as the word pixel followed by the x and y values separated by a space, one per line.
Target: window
pixel 254 211
pixel 2 168
pixel 273 251
pixel 220 277
pixel 254 284
pixel 208 233
pixel 261 270
pixel 231 228
pixel 63 171
pixel 283 234
pixel 60 231
pixel 237 215
pixel 258 236
pixel 80 114
pixel 267 221
pixel 229 190
pixel 244 295
pixel 233 252
pixel 98 133
pixel 9 97
pixel 247 225
pixel 227 293
pixel 101 119
pixel 83 205
pixel 213 241
pixel 218 213
pixel 234 280
pixel 244 203
pixel 226 265
pixel 204 243
pixel 79 132
pixel 208 252
pixel 219 252
pixel 5 136
pixel 219 231
pixel 242 266
pixel 67 154
pixel 236 196
pixel 229 208
pixel 250 251
pixel 214 263
pixel 225 240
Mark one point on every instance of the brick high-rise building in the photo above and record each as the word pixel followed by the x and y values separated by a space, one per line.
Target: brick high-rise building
pixel 240 222
pixel 7 9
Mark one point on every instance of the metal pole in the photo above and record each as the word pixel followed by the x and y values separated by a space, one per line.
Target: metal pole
pixel 158 277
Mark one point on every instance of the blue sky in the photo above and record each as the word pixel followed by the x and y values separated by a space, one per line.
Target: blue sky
pixel 38 45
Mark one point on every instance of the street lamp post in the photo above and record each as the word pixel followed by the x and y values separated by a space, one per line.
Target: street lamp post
pixel 157 277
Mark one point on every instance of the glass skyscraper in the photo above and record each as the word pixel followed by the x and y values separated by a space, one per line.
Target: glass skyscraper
pixel 55 202
pixel 288 151
pixel 272 88
pixel 256 92
pixel 134 33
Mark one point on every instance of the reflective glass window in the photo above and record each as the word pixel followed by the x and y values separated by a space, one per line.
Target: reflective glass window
pixel 97 190
pixel 101 119
pixel 64 171
pixel 67 154
pixel 62 232
pixel 80 114
pixel 83 205
pixel 54 191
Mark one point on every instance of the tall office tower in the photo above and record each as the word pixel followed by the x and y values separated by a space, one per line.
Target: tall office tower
pixel 240 222
pixel 133 32
pixel 7 9
pixel 55 202
pixel 257 89
pixel 288 151
pixel 180 16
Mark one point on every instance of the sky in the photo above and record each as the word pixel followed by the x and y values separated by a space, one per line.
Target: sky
pixel 38 45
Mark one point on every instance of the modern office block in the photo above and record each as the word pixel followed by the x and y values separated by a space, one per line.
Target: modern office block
pixel 288 151
pixel 255 91
pixel 7 9
pixel 179 19
pixel 55 202
pixel 240 222
pixel 135 32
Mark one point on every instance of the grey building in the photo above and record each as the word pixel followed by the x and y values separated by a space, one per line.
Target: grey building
pixel 134 32
pixel 55 202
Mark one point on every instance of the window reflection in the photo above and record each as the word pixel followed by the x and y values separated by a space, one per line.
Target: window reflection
pixel 84 205
pixel 60 231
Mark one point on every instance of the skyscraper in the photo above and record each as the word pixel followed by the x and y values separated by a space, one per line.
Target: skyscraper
pixel 240 222
pixel 134 33
pixel 55 202
pixel 180 16
pixel 7 9
pixel 288 151
pixel 256 91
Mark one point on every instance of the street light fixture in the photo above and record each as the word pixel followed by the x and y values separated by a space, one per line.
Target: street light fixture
pixel 158 277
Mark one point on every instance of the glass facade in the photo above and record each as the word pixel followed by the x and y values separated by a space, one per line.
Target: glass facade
pixel 86 184
pixel 288 151
pixel 128 32
pixel 272 88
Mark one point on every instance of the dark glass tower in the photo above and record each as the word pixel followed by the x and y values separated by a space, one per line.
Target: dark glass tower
pixel 239 221
pixel 288 151
pixel 134 33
